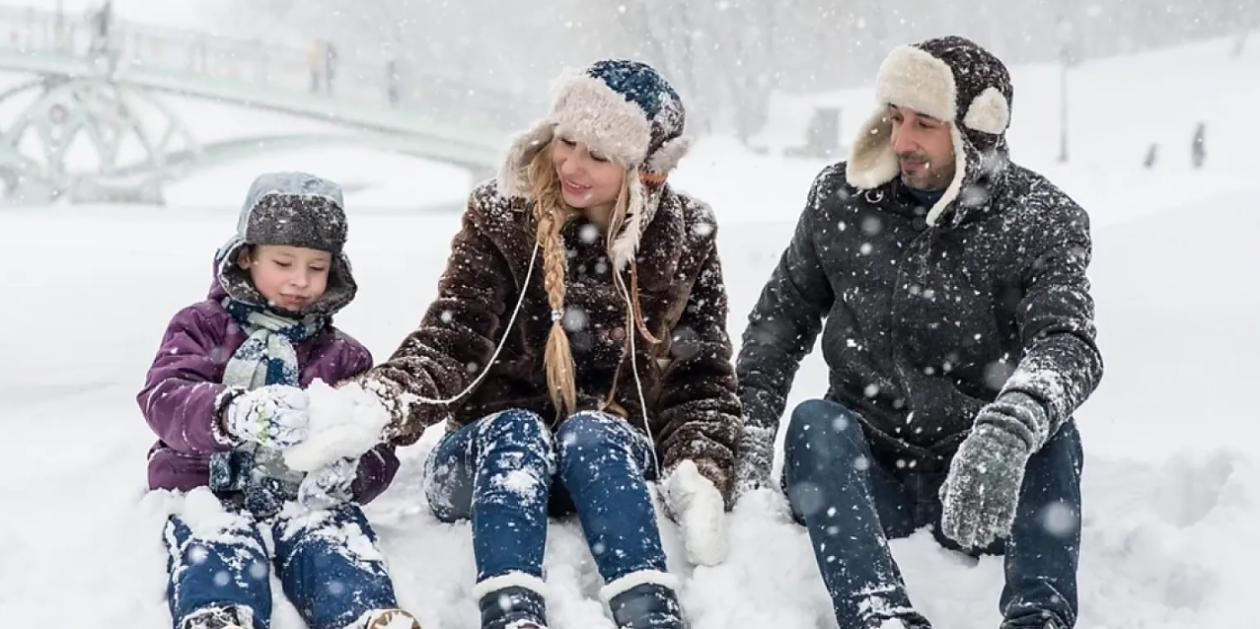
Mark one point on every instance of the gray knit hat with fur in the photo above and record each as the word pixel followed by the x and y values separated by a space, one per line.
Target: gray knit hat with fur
pixel 294 209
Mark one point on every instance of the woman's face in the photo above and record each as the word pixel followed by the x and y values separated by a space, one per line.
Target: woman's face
pixel 589 181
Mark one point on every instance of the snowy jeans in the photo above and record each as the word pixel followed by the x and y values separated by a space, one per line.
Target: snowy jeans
pixel 852 504
pixel 327 563
pixel 507 474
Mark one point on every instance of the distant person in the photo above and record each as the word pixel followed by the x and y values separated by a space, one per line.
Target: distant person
pixel 949 285
pixel 330 66
pixel 1198 152
pixel 391 79
pixel 577 352
pixel 101 21
pixel 226 393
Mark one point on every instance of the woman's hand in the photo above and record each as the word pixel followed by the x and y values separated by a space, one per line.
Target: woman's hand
pixel 694 502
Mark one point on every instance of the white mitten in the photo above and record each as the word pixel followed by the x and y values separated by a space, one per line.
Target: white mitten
pixel 697 506
pixel 274 416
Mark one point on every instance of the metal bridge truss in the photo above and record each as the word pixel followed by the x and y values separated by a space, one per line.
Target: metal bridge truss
pixel 91 124
pixel 88 139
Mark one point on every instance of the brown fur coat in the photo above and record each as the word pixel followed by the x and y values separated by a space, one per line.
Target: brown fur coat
pixel 688 379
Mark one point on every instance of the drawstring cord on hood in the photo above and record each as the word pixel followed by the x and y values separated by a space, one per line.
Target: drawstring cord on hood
pixel 637 321
pixel 533 258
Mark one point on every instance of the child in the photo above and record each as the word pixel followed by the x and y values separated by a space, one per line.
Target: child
pixel 225 397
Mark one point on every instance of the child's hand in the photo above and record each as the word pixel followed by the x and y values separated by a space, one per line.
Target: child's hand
pixel 274 416
pixel 330 485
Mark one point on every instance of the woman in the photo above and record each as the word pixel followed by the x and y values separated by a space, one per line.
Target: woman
pixel 578 350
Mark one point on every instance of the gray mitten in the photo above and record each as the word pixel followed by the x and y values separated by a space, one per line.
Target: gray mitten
pixel 754 459
pixel 981 493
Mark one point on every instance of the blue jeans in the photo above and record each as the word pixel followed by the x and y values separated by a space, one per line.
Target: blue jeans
pixel 852 504
pixel 507 473
pixel 331 582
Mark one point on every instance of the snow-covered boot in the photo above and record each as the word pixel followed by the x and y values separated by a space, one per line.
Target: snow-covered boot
pixel 387 619
pixel 897 623
pixel 644 600
pixel 1051 622
pixel 233 617
pixel 514 601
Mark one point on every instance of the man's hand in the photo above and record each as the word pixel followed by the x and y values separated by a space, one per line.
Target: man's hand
pixel 754 460
pixel 981 494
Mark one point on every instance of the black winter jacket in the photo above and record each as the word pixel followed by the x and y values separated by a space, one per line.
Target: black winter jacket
pixel 925 325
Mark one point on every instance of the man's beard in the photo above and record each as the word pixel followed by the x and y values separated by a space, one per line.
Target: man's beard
pixel 932 177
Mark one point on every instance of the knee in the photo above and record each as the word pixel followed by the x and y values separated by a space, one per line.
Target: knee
pixel 588 429
pixel 591 433
pixel 821 428
pixel 1062 457
pixel 1068 440
pixel 515 429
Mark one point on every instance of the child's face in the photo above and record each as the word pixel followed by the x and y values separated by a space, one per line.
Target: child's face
pixel 290 278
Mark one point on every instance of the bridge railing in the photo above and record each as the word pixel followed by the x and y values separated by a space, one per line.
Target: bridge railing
pixel 77 35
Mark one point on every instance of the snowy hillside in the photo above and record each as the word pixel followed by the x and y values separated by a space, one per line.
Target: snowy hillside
pixel 1117 107
pixel 1172 486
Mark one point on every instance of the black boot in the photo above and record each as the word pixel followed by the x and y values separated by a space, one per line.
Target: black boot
pixel 914 622
pixel 647 606
pixel 513 607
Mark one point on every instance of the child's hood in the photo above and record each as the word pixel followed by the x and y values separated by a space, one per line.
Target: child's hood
pixel 290 208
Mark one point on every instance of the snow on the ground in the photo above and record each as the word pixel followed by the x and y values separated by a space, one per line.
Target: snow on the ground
pixel 89 290
pixel 1172 489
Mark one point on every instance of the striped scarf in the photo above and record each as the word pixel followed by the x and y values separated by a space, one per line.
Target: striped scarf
pixel 267 357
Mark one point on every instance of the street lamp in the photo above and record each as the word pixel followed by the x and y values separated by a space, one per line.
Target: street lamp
pixel 59 26
pixel 1064 33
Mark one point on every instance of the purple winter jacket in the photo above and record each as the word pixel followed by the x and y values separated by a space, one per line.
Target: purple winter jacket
pixel 183 394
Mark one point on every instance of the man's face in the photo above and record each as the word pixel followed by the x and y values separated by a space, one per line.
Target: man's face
pixel 924 148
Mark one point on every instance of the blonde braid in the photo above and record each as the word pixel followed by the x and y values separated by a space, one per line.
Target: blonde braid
pixel 551 214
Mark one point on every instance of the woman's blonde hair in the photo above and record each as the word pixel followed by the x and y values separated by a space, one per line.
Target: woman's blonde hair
pixel 551 214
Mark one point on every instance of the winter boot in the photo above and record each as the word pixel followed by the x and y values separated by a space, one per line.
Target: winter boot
pixel 1051 622
pixel 234 617
pixel 386 619
pixel 514 601
pixel 896 623
pixel 913 622
pixel 644 600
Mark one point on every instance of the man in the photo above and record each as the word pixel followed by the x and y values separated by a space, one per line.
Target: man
pixel 959 339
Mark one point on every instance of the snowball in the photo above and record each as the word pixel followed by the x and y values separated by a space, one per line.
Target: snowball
pixel 346 422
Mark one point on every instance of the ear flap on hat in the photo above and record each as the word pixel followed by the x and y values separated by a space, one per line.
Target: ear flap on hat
pixel 666 158
pixel 513 177
pixel 989 112
pixel 872 160
pixel 627 243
